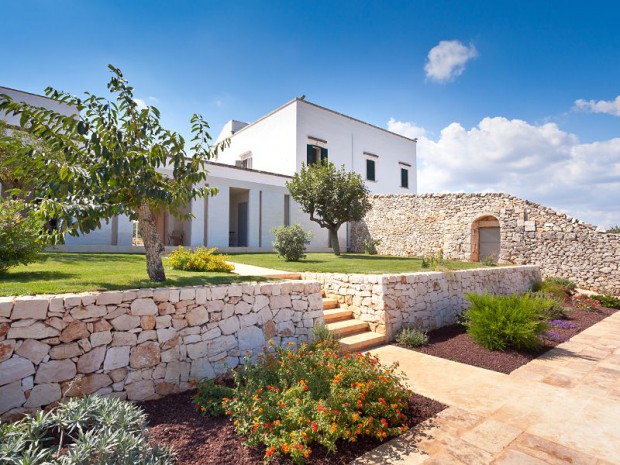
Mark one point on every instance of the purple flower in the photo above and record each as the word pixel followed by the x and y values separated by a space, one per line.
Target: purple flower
pixel 562 324
pixel 554 336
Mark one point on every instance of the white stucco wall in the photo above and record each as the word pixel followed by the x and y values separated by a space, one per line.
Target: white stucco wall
pixel 35 100
pixel 347 142
pixel 271 141
pixel 262 188
pixel 278 143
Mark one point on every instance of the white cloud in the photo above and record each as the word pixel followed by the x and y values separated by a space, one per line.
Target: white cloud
pixel 447 60
pixel 406 129
pixel 541 163
pixel 153 99
pixel 609 107
pixel 141 103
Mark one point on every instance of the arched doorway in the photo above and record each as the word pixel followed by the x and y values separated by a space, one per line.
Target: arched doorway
pixel 485 239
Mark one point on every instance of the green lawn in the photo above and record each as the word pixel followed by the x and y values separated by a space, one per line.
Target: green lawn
pixel 78 272
pixel 345 263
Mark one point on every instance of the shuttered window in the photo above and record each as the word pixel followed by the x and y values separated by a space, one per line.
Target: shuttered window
pixel 404 178
pixel 370 170
pixel 314 154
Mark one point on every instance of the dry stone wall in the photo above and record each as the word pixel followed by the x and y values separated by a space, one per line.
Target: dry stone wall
pixel 417 225
pixel 426 300
pixel 142 344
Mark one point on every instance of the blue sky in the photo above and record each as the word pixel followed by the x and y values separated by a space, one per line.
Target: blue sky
pixel 511 112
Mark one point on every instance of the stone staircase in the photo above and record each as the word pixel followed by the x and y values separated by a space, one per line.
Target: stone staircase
pixel 354 335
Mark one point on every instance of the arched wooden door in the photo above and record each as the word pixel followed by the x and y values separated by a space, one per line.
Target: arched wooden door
pixel 486 239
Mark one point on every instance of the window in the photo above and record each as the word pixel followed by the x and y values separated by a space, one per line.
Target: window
pixel 287 210
pixel 247 163
pixel 370 170
pixel 404 178
pixel 316 154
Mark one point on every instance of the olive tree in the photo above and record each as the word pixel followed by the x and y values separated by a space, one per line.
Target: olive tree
pixel 109 159
pixel 330 196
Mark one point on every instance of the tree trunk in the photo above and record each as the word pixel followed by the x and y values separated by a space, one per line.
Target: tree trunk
pixel 333 236
pixel 152 243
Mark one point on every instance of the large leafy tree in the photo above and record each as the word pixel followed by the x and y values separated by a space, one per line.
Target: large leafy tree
pixel 109 159
pixel 330 196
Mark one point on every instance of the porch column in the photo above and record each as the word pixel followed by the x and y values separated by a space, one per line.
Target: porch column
pixel 197 225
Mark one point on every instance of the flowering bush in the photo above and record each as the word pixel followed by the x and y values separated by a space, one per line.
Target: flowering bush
pixel 291 399
pixel 583 302
pixel 201 259
pixel 209 396
pixel 19 235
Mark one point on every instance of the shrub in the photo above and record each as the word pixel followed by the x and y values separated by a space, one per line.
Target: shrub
pixel 87 430
pixel 289 400
pixel 607 301
pixel 320 333
pixel 290 242
pixel 433 261
pixel 412 337
pixel 209 396
pixel 503 322
pixel 559 287
pixel 490 260
pixel 556 308
pixel 585 303
pixel 19 235
pixel 370 246
pixel 201 259
pixel 614 229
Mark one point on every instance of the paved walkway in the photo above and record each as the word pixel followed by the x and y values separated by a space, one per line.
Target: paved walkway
pixel 251 270
pixel 563 407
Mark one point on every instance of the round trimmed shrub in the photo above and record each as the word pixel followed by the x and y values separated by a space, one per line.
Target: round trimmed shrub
pixel 290 242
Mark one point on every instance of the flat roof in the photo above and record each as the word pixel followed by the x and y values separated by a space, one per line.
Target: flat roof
pixel 241 168
pixel 297 99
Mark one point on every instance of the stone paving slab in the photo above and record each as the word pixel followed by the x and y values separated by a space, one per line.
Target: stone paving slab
pixel 563 407
pixel 251 270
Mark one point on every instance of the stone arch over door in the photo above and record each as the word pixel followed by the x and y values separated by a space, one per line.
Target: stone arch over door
pixel 485 238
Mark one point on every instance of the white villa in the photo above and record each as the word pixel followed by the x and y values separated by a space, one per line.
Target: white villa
pixel 251 176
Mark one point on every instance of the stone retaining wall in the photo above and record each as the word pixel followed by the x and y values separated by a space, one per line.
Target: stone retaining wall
pixel 142 344
pixel 530 234
pixel 427 300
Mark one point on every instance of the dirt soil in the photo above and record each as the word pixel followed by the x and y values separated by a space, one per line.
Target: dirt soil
pixel 197 439
pixel 453 343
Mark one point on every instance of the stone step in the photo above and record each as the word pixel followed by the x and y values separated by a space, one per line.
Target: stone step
pixel 362 341
pixel 280 275
pixel 347 327
pixel 338 314
pixel 329 303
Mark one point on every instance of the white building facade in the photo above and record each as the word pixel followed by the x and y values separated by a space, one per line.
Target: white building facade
pixel 251 175
pixel 303 132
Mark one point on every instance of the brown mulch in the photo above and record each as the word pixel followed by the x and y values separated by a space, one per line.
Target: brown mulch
pixel 453 343
pixel 196 439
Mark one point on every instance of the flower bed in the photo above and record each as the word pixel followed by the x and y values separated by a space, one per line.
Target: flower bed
pixel 453 343
pixel 175 422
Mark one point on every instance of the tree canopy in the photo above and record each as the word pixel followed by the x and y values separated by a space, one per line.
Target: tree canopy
pixel 331 196
pixel 112 158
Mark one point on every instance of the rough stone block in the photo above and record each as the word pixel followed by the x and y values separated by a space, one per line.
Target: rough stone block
pixel 145 355
pixel 43 394
pixel 141 307
pixel 116 357
pixel 15 369
pixel 55 371
pixel 30 308
pixel 11 396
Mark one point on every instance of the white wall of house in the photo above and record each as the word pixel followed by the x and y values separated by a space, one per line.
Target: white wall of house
pixel 278 143
pixel 350 142
pixel 213 221
pixel 269 141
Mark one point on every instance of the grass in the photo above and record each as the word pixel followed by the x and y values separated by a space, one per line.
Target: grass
pixel 77 272
pixel 346 263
